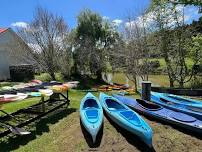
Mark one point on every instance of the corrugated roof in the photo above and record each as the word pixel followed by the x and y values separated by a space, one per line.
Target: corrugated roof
pixel 2 30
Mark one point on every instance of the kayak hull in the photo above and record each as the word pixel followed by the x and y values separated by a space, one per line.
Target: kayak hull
pixel 162 113
pixel 91 115
pixel 126 118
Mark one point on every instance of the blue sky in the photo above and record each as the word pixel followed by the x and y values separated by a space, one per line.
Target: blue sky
pixel 14 12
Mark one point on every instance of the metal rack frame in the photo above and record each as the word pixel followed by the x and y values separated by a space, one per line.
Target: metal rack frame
pixel 32 111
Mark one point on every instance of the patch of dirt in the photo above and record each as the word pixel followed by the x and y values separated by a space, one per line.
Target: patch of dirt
pixel 113 138
pixel 68 135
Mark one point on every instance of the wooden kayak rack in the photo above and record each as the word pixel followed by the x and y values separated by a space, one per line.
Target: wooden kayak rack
pixel 25 116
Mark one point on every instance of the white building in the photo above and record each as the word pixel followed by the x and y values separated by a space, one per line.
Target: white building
pixel 13 51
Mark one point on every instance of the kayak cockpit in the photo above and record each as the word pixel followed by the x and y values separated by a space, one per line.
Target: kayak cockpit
pixel 147 105
pixel 90 103
pixel 113 105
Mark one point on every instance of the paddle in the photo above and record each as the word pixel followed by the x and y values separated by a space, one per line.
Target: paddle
pixel 15 130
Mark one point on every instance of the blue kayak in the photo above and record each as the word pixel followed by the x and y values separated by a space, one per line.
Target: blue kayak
pixel 126 118
pixel 167 102
pixel 161 113
pixel 180 100
pixel 91 114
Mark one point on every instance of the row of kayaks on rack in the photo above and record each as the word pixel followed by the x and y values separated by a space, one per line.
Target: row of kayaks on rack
pixel 122 111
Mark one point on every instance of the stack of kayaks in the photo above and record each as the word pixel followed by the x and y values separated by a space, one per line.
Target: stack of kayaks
pixel 162 113
pixel 126 118
pixel 46 92
pixel 12 97
pixel 58 88
pixel 91 115
pixel 105 88
pixel 127 92
pixel 193 109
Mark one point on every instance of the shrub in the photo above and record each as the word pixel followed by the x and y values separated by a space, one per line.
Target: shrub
pixel 155 64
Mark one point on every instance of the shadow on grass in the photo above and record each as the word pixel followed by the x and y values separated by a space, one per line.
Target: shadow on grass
pixel 13 142
pixel 88 137
pixel 131 138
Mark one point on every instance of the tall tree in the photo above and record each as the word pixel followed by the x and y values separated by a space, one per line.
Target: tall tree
pixel 172 39
pixel 93 38
pixel 47 35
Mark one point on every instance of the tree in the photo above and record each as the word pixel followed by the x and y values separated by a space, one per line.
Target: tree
pixel 133 52
pixel 46 36
pixel 93 38
pixel 180 2
pixel 172 37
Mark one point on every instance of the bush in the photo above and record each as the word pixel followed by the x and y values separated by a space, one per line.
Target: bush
pixel 196 83
pixel 155 64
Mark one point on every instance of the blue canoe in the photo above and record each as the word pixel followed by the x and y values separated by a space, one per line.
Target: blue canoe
pixel 161 113
pixel 160 99
pixel 126 118
pixel 91 114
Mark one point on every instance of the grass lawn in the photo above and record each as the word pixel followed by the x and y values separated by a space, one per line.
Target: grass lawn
pixel 162 62
pixel 12 107
pixel 62 131
pixel 161 80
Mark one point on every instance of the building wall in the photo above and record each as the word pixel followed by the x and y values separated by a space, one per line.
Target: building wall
pixel 4 66
pixel 12 52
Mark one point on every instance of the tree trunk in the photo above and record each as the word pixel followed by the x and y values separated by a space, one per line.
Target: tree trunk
pixel 99 75
pixel 181 83
pixel 135 82
pixel 52 74
pixel 171 80
pixel 171 83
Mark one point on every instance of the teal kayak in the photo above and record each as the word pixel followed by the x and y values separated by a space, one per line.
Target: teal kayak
pixel 126 118
pixel 180 100
pixel 174 103
pixel 91 115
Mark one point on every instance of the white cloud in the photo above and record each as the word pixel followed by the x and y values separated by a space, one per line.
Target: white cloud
pixel 20 24
pixel 117 22
pixel 141 21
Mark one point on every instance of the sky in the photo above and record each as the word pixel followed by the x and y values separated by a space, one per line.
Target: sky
pixel 18 13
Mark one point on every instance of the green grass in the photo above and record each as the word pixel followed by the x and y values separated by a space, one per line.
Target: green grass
pixel 161 80
pixel 14 106
pixel 49 130
pixel 6 83
pixel 61 131
pixel 45 77
pixel 162 62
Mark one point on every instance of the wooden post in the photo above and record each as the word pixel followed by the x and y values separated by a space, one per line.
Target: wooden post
pixel 55 96
pixel 67 98
pixel 43 104
pixel 146 90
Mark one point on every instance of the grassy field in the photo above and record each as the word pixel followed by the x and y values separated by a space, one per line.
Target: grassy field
pixel 62 131
pixel 161 80
pixel 162 62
